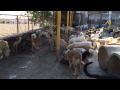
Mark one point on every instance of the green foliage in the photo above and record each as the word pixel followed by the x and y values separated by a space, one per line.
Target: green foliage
pixel 40 15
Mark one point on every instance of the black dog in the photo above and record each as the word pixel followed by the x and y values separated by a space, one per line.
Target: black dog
pixel 108 76
pixel 84 57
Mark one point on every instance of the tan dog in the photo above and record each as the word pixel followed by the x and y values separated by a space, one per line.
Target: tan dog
pixel 74 58
pixel 118 40
pixel 51 41
pixel 105 41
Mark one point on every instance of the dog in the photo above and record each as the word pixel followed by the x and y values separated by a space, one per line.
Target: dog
pixel 85 55
pixel 74 58
pixel 108 76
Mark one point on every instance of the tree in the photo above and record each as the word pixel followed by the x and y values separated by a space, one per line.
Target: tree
pixel 37 16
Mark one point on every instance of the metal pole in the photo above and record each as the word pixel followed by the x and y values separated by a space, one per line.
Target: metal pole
pixel 110 14
pixel 115 21
pixel 28 22
pixel 58 35
pixel 79 19
pixel 17 25
pixel 88 21
pixel 67 22
pixel 70 17
pixel 100 19
pixel 32 25
pixel 43 19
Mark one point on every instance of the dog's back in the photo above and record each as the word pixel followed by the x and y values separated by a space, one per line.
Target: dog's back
pixel 75 58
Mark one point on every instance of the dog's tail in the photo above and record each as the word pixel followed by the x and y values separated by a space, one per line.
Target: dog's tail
pixel 87 73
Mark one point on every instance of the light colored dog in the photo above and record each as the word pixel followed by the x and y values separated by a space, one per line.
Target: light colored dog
pixel 74 58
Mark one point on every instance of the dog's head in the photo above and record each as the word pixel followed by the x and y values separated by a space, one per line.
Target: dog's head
pixel 118 40
pixel 86 55
pixel 63 57
pixel 91 51
pixel 64 54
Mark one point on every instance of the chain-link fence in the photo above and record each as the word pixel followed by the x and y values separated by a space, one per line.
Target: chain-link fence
pixel 14 24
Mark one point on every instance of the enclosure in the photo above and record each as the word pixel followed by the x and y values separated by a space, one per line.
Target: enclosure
pixel 41 64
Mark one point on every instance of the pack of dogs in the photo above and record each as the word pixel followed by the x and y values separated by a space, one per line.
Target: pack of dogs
pixel 77 47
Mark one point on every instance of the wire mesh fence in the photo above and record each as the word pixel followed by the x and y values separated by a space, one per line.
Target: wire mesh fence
pixel 15 24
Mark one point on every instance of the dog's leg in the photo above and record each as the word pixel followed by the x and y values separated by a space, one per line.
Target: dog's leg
pixel 70 64
pixel 86 60
pixel 33 48
pixel 51 48
pixel 75 68
pixel 81 65
pixel 16 49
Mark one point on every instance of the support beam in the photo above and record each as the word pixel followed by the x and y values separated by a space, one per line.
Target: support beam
pixel 17 25
pixel 71 18
pixel 28 22
pixel 58 35
pixel 32 25
pixel 67 22
pixel 110 15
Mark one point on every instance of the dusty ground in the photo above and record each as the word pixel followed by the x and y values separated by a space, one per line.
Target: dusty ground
pixel 41 65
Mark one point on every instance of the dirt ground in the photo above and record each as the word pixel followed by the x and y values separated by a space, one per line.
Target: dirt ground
pixel 41 65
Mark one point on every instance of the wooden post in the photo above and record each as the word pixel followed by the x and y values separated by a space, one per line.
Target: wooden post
pixel 32 25
pixel 43 20
pixel 58 35
pixel 88 21
pixel 67 22
pixel 70 18
pixel 28 22
pixel 17 26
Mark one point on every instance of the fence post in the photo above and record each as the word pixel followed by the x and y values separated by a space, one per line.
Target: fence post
pixel 88 21
pixel 32 25
pixel 28 22
pixel 70 18
pixel 67 22
pixel 17 25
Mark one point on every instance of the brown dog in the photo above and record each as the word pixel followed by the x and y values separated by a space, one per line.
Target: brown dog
pixel 74 58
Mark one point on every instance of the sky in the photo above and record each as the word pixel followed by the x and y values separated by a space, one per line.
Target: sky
pixel 11 12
